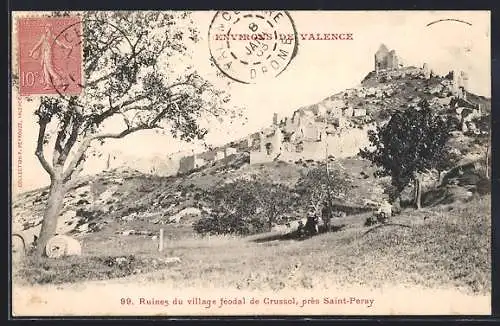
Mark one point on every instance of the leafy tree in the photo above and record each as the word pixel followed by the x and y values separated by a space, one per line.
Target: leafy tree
pixel 135 79
pixel 246 207
pixel 413 141
pixel 322 185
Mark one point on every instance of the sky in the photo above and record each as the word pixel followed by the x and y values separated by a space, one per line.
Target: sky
pixel 320 69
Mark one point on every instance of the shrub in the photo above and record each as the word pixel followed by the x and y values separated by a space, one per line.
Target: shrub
pixel 229 224
pixel 318 185
pixel 246 207
pixel 483 186
pixel 371 220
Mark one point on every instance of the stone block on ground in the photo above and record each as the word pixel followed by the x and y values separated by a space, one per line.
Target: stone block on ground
pixel 61 245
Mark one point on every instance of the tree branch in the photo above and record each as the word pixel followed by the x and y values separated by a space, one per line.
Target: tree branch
pixel 113 110
pixel 71 177
pixel 72 138
pixel 79 155
pixel 160 115
pixel 122 134
pixel 58 144
pixel 39 149
pixel 133 56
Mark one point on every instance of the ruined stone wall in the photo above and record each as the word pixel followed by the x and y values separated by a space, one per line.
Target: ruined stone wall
pixel 381 58
pixel 342 145
pixel 186 164
pixel 157 165
pixel 230 151
pixel 392 60
pixel 349 142
pixel 165 168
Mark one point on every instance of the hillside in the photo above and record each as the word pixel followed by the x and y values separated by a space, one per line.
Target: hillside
pixel 445 247
pixel 124 194
pixel 117 214
pixel 383 93
pixel 120 199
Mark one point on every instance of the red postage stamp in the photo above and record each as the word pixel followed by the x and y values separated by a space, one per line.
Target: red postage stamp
pixel 50 55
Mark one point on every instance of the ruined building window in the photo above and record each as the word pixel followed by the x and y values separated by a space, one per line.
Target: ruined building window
pixel 269 148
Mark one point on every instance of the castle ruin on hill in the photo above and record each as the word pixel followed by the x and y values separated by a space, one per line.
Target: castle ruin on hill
pixel 338 126
pixel 385 59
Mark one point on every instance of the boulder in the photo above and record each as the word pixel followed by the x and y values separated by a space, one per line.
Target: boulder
pixel 339 214
pixel 183 213
pixel 61 246
pixel 118 181
pixel 171 260
pixel 127 232
pixel 83 228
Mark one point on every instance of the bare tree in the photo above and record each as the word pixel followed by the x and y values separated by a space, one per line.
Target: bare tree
pixel 132 81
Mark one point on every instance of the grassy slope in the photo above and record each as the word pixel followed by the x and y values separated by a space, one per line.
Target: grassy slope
pixel 450 247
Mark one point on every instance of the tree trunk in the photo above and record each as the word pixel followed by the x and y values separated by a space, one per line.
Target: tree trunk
pixel 327 220
pixel 50 216
pixel 418 193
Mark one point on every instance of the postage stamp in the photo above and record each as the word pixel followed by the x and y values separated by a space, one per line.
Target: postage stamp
pixel 251 46
pixel 50 55
pixel 212 166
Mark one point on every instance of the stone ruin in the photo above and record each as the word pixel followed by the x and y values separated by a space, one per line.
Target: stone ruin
pixel 309 134
pixel 460 83
pixel 385 59
pixel 427 71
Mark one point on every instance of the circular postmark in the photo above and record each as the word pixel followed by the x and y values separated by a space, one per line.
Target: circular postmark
pixel 67 77
pixel 250 46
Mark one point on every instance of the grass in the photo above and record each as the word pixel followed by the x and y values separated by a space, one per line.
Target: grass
pixel 446 246
pixel 71 269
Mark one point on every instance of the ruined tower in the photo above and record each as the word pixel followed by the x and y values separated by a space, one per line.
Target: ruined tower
pixel 464 80
pixel 459 83
pixel 392 60
pixel 426 71
pixel 385 59
pixel 275 119
pixel 262 141
pixel 277 140
pixel 381 57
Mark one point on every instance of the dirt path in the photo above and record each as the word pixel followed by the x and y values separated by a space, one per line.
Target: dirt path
pixel 118 297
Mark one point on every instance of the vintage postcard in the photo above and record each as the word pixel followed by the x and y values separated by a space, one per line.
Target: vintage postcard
pixel 215 163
